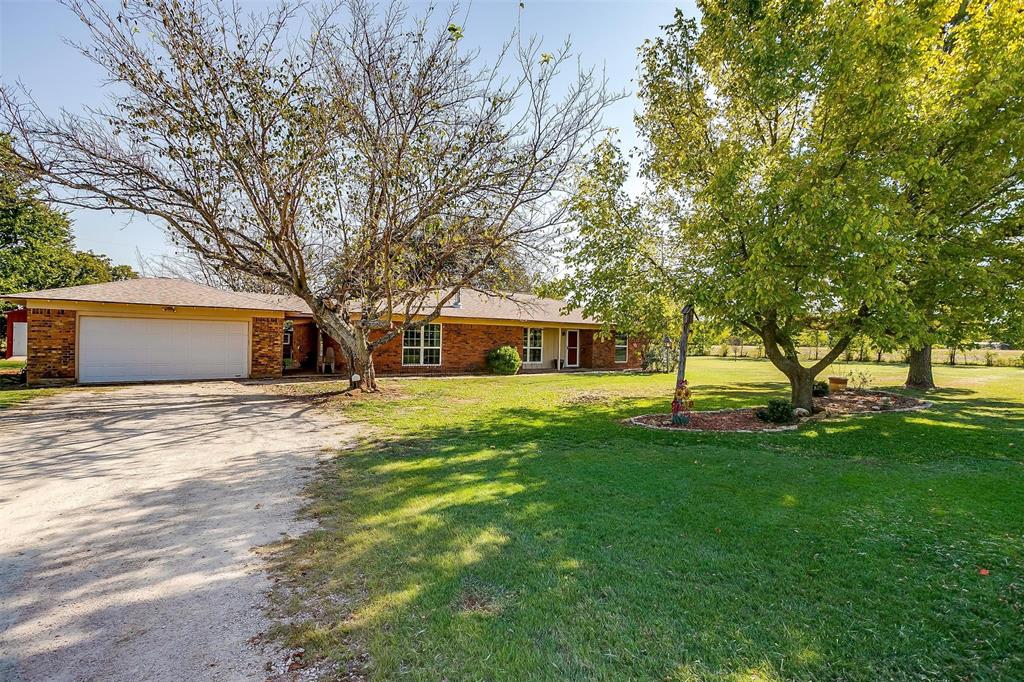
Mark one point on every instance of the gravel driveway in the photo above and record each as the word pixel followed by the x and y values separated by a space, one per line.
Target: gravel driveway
pixel 127 519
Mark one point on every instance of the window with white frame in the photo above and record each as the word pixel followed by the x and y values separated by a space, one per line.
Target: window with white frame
pixel 422 345
pixel 621 348
pixel 533 344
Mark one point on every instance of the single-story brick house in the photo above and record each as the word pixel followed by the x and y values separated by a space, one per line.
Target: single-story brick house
pixel 161 329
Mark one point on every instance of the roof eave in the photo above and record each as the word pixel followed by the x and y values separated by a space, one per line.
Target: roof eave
pixel 56 301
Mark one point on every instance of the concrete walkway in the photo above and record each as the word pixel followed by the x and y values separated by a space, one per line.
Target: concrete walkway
pixel 127 519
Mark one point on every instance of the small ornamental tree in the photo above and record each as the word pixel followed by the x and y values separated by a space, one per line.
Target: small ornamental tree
pixel 620 261
pixel 352 155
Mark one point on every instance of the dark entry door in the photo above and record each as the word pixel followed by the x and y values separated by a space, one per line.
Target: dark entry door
pixel 572 348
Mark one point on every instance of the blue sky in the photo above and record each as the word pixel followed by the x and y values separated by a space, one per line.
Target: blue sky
pixel 33 50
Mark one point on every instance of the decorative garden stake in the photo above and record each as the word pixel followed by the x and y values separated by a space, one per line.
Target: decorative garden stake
pixel 682 403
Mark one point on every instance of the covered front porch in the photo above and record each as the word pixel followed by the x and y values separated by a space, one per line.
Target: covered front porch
pixel 464 348
pixel 553 349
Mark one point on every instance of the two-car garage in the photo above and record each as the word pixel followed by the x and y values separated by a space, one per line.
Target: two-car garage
pixel 152 329
pixel 117 349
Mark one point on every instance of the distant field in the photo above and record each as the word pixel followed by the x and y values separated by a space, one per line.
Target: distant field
pixel 940 356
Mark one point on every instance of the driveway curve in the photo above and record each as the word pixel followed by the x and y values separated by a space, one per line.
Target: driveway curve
pixel 127 520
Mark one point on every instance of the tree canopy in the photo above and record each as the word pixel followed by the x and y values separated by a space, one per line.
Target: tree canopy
pixel 959 172
pixel 779 140
pixel 351 154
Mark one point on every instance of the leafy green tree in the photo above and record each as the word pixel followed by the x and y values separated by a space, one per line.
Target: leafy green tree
pixel 762 125
pixel 959 169
pixel 801 145
pixel 35 240
pixel 620 262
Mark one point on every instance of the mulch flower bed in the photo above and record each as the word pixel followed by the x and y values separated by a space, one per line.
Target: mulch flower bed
pixel 855 401
pixel 850 401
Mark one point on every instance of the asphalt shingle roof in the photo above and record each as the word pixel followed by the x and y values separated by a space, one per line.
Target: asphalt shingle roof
pixel 165 291
pixel 162 291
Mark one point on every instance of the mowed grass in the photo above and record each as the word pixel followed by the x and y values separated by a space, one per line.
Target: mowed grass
pixel 512 528
pixel 12 393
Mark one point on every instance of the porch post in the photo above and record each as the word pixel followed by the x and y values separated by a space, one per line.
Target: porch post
pixel 319 349
pixel 558 363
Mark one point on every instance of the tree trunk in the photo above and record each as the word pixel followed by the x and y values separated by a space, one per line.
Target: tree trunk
pixel 353 341
pixel 920 373
pixel 782 352
pixel 801 384
pixel 362 366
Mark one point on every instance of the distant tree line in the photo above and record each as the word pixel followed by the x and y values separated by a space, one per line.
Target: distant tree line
pixel 37 246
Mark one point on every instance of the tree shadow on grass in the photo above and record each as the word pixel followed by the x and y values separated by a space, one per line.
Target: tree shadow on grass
pixel 558 544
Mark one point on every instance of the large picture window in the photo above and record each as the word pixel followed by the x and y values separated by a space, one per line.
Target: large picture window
pixel 533 345
pixel 422 346
pixel 621 348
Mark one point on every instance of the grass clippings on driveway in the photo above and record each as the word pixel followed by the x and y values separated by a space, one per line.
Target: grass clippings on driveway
pixel 505 528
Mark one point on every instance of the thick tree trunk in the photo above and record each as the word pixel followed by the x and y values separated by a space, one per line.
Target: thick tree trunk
pixel 782 352
pixel 920 373
pixel 362 367
pixel 353 340
pixel 801 385
pixel 363 375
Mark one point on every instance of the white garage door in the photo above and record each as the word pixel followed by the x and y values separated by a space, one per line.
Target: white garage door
pixel 114 349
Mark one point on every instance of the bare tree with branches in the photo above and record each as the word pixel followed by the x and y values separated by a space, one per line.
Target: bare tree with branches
pixel 358 158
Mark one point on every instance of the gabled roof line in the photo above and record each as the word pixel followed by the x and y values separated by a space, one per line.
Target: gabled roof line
pixel 165 291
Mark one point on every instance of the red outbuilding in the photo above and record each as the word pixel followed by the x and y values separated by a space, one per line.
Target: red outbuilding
pixel 17 332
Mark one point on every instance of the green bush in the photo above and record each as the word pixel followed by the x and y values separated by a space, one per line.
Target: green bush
pixel 504 360
pixel 659 357
pixel 779 411
pixel 820 389
pixel 861 378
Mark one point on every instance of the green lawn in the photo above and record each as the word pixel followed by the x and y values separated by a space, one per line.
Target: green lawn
pixel 10 365
pixel 10 392
pixel 511 528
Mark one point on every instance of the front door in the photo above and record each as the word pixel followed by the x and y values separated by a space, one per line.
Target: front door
pixel 572 348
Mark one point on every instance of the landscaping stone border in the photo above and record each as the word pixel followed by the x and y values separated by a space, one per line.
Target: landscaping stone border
pixel 634 421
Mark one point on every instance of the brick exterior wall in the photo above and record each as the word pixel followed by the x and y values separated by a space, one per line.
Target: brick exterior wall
pixel 51 346
pixel 464 349
pixel 587 348
pixel 602 354
pixel 267 347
